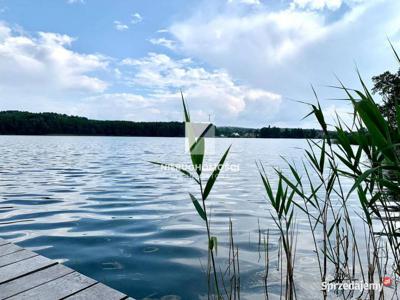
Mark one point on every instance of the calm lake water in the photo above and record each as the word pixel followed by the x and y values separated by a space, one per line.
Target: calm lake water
pixel 97 205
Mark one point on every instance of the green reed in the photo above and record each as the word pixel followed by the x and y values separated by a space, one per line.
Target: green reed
pixel 367 153
pixel 197 152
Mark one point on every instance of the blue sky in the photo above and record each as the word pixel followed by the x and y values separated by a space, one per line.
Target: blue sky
pixel 240 61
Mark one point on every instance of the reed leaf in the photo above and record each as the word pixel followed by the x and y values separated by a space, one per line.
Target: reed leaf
pixel 214 175
pixel 198 207
pixel 183 171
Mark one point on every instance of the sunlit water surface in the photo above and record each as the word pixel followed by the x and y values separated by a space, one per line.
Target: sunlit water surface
pixel 99 206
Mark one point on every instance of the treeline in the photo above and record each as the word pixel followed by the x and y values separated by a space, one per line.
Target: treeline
pixel 269 132
pixel 26 123
pixel 291 133
pixel 237 132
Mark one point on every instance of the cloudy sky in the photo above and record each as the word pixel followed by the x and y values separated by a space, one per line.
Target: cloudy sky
pixel 240 62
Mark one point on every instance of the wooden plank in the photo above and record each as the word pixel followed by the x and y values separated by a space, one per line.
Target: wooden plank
pixel 98 291
pixel 16 257
pixel 24 267
pixel 3 242
pixel 27 275
pixel 9 248
pixel 57 289
pixel 32 280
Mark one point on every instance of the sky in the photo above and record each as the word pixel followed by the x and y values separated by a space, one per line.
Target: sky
pixel 238 62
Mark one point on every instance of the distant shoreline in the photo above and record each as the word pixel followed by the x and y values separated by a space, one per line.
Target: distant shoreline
pixel 53 124
pixel 147 136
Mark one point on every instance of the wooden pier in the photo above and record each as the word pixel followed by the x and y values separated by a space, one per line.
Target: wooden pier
pixel 27 275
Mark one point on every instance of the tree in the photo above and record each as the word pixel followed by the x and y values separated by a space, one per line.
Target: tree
pixel 388 86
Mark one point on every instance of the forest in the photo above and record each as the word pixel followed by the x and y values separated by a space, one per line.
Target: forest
pixel 27 123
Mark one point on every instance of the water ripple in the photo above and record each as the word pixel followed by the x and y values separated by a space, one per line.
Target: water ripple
pixel 96 204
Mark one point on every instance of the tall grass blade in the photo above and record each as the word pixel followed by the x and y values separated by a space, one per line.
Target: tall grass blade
pixel 214 175
pixel 198 207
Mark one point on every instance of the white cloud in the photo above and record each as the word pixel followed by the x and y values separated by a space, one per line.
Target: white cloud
pixel 318 4
pixel 253 59
pixel 286 50
pixel 76 1
pixel 43 67
pixel 136 18
pixel 271 36
pixel 120 26
pixel 212 92
pixel 114 106
pixel 248 2
pixel 42 73
pixel 162 30
pixel 117 73
pixel 170 44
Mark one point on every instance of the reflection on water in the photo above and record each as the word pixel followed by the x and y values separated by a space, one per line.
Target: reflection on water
pixel 96 204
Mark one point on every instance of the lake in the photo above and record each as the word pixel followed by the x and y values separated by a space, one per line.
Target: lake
pixel 99 206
